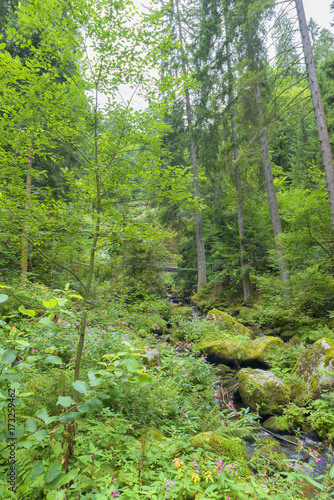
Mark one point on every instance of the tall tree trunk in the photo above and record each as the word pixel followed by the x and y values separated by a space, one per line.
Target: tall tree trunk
pixel 96 235
pixel 320 119
pixel 274 213
pixel 24 255
pixel 238 185
pixel 201 265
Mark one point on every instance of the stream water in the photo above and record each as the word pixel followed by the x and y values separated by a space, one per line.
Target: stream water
pixel 317 457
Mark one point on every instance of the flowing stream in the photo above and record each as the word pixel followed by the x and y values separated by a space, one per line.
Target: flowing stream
pixel 314 462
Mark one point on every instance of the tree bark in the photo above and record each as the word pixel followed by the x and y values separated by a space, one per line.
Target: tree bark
pixel 273 206
pixel 320 118
pixel 25 231
pixel 238 185
pixel 201 264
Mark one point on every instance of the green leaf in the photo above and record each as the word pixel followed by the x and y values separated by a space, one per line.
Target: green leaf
pixel 76 296
pixel 47 323
pixel 331 472
pixel 3 297
pixel 145 379
pixel 37 470
pixel 90 406
pixel 43 415
pixel 53 471
pixel 131 364
pixel 68 417
pixel 49 304
pixel 55 360
pixel 65 401
pixel 27 312
pixel 68 477
pixel 115 394
pixel 22 342
pixel 80 386
pixel 8 357
pixel 31 425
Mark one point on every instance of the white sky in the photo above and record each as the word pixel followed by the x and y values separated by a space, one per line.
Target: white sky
pixel 319 10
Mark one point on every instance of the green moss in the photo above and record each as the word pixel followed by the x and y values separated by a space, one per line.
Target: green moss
pixel 262 391
pixel 229 448
pixel 183 312
pixel 312 364
pixel 229 323
pixel 229 349
pixel 329 353
pixel 152 433
pixel 261 349
pixel 269 449
pixel 277 425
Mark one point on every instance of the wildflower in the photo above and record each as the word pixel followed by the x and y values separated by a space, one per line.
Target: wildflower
pixel 167 487
pixel 197 471
pixel 265 485
pixel 184 414
pixel 112 479
pixel 173 482
pixel 232 466
pixel 194 462
pixel 91 455
pixel 219 470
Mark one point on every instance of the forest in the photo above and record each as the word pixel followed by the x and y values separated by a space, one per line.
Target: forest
pixel 166 250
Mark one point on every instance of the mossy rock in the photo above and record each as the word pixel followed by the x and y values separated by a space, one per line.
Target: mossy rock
pixel 230 349
pixel 223 447
pixel 287 334
pixel 152 434
pixel 269 449
pixel 229 323
pixel 224 370
pixel 277 425
pixel 262 391
pixel 315 367
pixel 261 349
pixel 296 339
pixel 182 312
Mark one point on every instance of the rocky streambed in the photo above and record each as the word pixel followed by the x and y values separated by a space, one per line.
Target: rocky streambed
pixel 244 357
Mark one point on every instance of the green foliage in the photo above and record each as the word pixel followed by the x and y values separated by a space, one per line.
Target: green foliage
pixel 322 416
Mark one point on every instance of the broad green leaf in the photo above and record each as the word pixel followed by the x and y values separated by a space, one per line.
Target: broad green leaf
pixel 76 296
pixel 68 477
pixel 52 471
pixel 80 386
pixel 49 304
pixel 40 435
pixel 145 379
pixel 22 342
pixel 47 323
pixel 27 312
pixel 55 360
pixel 37 470
pixel 8 357
pixel 31 425
pixel 43 415
pixel 115 394
pixel 131 365
pixel 90 406
pixel 65 401
pixel 3 297
pixel 68 417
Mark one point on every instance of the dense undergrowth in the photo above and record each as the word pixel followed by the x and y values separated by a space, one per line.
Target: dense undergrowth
pixel 139 429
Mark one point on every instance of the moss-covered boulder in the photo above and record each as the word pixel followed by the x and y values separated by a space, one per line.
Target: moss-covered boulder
pixel 182 312
pixel 277 425
pixel 315 367
pixel 262 391
pixel 261 349
pixel 227 322
pixel 269 449
pixel 152 434
pixel 231 449
pixel 227 349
